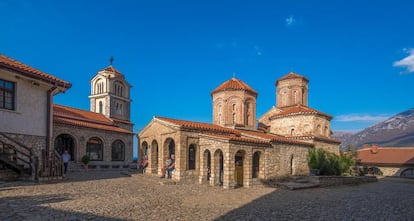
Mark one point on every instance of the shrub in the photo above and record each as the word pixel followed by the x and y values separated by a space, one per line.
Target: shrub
pixel 85 159
pixel 328 163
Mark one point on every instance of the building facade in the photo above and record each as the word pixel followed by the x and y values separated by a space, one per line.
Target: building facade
pixel 105 133
pixel 26 109
pixel 233 151
pixel 387 161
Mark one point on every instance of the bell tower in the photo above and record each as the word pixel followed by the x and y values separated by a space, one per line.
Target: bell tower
pixel 110 94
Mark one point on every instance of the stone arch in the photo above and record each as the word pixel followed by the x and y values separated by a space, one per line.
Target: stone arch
pixel 256 164
pixel 99 86
pixel 409 172
pixel 118 150
pixel 100 106
pixel 154 157
pixel 192 152
pixel 218 112
pixel 239 164
pixel 169 147
pixel 144 149
pixel 233 110
pixel 249 112
pixel 94 148
pixel 65 142
pixel 218 167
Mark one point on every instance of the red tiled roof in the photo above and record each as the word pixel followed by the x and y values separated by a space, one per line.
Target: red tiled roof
pixel 386 156
pixel 298 109
pixel 198 125
pixel 274 137
pixel 291 75
pixel 234 84
pixel 87 124
pixel 232 137
pixel 65 111
pixel 110 68
pixel 232 134
pixel 81 118
pixel 31 72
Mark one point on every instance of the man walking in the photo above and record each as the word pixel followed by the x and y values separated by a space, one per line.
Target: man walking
pixel 65 158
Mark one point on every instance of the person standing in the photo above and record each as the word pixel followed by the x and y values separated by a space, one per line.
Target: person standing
pixel 65 158
pixel 171 167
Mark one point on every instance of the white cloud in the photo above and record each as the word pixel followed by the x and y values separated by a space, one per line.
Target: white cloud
pixel 258 51
pixel 289 21
pixel 361 118
pixel 407 62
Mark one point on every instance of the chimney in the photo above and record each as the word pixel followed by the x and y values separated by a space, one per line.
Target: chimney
pixel 374 149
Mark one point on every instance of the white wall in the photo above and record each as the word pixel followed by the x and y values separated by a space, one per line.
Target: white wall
pixel 29 116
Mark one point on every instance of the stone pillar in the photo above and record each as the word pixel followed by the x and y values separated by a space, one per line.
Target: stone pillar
pixel 228 171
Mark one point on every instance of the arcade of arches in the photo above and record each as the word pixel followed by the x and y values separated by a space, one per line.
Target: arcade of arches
pixel 234 151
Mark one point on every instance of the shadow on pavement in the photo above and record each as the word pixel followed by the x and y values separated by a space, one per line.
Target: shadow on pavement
pixel 37 208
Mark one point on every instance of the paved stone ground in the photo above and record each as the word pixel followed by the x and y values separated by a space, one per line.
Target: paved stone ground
pixel 115 196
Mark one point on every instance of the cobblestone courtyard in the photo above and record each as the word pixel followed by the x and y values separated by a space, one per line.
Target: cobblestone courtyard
pixel 113 196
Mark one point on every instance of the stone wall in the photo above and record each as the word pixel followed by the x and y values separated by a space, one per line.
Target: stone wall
pixel 285 160
pixel 324 181
pixel 81 135
pixel 36 143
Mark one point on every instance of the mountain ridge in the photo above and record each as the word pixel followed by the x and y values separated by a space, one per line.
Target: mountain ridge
pixel 396 131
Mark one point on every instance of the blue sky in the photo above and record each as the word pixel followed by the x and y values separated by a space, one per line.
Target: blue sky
pixel 358 55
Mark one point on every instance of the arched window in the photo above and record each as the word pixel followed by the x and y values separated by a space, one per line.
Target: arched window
pixel 94 148
pixel 256 165
pixel 192 157
pixel 100 107
pixel 295 97
pixel 119 89
pixel 118 151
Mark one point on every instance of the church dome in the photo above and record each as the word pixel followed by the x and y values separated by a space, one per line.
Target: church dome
pixel 234 84
pixel 292 75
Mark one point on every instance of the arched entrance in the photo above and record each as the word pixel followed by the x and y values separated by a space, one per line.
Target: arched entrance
pixel 65 142
pixel 144 150
pixel 207 160
pixel 238 171
pixel 219 166
pixel 192 157
pixel 169 147
pixel 154 156
pixel 256 165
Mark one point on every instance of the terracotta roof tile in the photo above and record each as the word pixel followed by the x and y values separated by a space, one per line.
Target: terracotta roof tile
pixel 234 84
pixel 298 109
pixel 81 123
pixel 110 68
pixel 232 137
pixel 386 156
pixel 65 111
pixel 198 125
pixel 292 75
pixel 31 72
pixel 82 118
pixel 274 137
pixel 232 134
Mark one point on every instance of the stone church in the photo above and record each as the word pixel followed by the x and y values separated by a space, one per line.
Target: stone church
pixel 236 149
pixel 105 133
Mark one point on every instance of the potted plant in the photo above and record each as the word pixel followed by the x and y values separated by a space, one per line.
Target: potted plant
pixel 85 160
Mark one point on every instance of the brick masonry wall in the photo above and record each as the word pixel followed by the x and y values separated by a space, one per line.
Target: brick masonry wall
pixel 324 181
pixel 81 136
